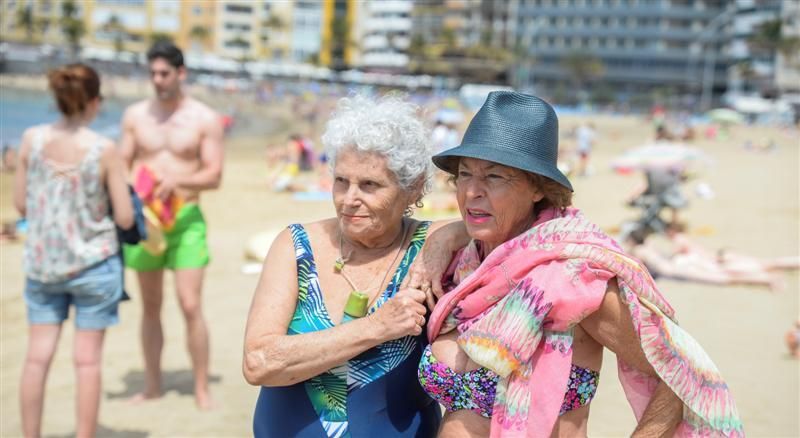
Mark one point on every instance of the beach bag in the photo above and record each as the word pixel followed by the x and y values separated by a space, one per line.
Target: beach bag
pixel 138 231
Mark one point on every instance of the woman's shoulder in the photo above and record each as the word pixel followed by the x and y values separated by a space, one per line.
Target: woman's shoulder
pixel 101 140
pixel 319 232
pixel 30 134
pixel 328 226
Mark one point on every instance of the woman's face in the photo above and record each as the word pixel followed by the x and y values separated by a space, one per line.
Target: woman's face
pixel 368 199
pixel 496 201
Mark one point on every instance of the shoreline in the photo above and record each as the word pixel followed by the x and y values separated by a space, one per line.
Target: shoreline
pixel 269 120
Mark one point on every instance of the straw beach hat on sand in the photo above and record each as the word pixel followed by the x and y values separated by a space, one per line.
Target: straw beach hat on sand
pixel 513 129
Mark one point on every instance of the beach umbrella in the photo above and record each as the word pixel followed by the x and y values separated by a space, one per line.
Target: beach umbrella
pixel 726 116
pixel 660 155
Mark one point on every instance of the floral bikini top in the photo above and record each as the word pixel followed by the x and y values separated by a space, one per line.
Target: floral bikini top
pixel 475 389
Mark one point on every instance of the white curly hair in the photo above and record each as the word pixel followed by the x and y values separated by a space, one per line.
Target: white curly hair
pixel 388 126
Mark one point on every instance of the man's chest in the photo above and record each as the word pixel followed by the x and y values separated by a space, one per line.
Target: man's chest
pixel 178 135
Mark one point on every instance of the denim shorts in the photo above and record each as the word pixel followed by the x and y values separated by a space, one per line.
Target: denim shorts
pixel 96 292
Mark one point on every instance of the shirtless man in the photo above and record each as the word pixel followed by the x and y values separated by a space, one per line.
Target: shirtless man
pixel 179 140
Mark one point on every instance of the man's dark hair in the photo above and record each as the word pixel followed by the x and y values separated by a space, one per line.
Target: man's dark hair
pixel 167 51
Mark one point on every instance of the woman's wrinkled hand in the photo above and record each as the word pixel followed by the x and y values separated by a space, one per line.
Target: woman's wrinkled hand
pixel 403 315
pixel 421 280
pixel 431 263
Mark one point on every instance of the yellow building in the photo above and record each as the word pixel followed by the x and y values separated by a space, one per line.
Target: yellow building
pixel 33 22
pixel 130 25
pixel 196 33
pixel 254 30
pixel 339 44
pixel 109 25
pixel 235 29
pixel 275 41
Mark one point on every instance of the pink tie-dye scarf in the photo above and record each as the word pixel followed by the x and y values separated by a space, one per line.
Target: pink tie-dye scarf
pixel 516 310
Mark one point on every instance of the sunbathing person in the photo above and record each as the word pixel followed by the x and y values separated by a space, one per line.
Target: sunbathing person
pixel 689 261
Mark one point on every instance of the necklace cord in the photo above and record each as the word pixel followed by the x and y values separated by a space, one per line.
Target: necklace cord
pixel 341 261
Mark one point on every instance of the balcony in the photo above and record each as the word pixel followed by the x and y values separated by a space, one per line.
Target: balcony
pixel 388 25
pixel 391 6
pixel 635 74
pixel 623 53
pixel 618 11
pixel 649 33
pixel 384 59
pixel 381 42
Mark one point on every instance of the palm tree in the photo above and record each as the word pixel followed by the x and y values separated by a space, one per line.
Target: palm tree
pixel 200 34
pixel 244 45
pixel 115 27
pixel 769 38
pixel 582 68
pixel 746 72
pixel 313 59
pixel 155 37
pixel 26 20
pixel 72 26
pixel 274 22
pixel 416 48
pixel 522 64
pixel 449 38
pixel 42 25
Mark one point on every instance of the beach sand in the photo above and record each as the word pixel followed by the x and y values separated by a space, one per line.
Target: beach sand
pixel 755 211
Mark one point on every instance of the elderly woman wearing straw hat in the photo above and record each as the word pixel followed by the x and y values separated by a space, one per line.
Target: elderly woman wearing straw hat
pixel 539 291
pixel 331 339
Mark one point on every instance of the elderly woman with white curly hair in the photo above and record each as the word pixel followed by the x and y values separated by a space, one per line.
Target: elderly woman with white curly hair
pixel 331 338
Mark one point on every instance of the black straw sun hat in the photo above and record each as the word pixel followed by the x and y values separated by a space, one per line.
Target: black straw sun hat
pixel 513 129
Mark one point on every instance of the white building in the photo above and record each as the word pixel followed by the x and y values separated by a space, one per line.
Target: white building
pixel 306 30
pixel 384 32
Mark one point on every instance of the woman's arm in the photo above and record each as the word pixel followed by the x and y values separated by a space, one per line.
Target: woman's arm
pixel 444 238
pixel 611 326
pixel 21 173
pixel 273 358
pixel 115 177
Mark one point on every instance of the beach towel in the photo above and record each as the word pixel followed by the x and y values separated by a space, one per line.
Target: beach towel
pixel 164 210
pixel 515 312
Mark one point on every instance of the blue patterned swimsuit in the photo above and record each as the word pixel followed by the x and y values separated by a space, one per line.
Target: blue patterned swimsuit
pixel 373 394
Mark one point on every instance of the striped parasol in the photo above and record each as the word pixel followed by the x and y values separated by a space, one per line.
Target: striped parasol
pixel 661 155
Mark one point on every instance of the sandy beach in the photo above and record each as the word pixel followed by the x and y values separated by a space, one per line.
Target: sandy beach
pixel 755 211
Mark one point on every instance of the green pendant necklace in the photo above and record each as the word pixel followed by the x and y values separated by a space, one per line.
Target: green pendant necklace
pixel 358 300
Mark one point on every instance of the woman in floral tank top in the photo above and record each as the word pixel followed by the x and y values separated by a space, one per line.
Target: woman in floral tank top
pixel 67 176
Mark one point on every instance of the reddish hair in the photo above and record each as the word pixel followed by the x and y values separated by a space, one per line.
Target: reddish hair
pixel 74 86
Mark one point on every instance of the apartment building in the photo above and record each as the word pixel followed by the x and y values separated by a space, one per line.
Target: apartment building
pixel 306 33
pixel 42 15
pixel 197 30
pixel 109 25
pixel 385 34
pixel 129 25
pixel 643 44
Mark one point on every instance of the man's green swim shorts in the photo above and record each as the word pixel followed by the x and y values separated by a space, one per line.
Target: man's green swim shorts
pixel 186 245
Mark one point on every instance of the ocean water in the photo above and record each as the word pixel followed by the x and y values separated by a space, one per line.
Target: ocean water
pixel 21 109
